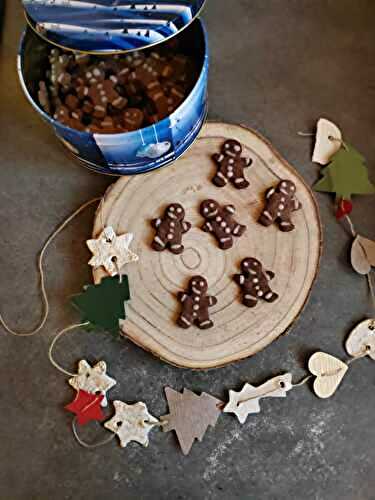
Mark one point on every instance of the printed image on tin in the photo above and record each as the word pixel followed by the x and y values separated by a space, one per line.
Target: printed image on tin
pixel 110 25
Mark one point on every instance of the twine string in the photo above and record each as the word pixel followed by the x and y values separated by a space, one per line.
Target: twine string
pixel 53 343
pixel 278 385
pixel 89 445
pixel 341 141
pixel 45 301
pixel 368 275
pixel 351 226
pixel 303 381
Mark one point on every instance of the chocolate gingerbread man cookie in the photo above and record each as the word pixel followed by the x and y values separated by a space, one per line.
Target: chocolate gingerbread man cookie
pixel 195 304
pixel 280 204
pixel 254 281
pixel 170 228
pixel 231 166
pixel 221 223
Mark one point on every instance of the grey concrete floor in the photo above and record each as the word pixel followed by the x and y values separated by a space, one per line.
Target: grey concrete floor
pixel 277 65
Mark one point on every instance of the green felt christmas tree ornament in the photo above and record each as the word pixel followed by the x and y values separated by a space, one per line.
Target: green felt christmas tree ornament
pixel 346 174
pixel 103 305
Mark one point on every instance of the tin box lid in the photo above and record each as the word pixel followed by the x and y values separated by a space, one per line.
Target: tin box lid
pixel 109 26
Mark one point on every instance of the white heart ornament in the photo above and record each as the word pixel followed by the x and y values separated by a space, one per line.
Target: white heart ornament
pixel 362 339
pixel 328 141
pixel 329 372
pixel 359 259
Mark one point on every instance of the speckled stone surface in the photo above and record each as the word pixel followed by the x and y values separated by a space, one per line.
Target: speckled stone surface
pixel 277 65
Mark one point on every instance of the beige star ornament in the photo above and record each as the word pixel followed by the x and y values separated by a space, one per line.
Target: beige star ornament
pixel 131 423
pixel 111 251
pixel 93 379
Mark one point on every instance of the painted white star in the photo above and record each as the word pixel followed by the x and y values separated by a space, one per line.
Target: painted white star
pixel 111 251
pixel 93 379
pixel 246 401
pixel 131 423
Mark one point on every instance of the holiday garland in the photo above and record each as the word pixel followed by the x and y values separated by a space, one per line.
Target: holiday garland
pixel 190 415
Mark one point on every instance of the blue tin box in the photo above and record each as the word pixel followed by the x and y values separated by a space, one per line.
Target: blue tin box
pixel 109 27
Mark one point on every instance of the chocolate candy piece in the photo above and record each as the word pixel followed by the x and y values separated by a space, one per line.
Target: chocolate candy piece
pixel 195 305
pixel 107 123
pixel 100 111
pixel 144 74
pixel 177 94
pixel 170 228
pixel 180 64
pixel 71 102
pixel 161 65
pixel 254 282
pixel 120 102
pixel 77 114
pixel 221 223
pixel 61 114
pixel 87 107
pixel 82 91
pixel 82 59
pixel 280 204
pixel 135 59
pixel 133 118
pixel 231 166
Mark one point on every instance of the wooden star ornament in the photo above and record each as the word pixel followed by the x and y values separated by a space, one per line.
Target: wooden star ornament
pixel 93 379
pixel 131 423
pixel 246 401
pixel 86 407
pixel 111 251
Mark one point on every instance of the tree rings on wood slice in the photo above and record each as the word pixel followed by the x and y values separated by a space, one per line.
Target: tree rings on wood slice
pixel 239 332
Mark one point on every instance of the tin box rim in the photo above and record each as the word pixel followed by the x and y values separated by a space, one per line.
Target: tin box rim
pixel 32 25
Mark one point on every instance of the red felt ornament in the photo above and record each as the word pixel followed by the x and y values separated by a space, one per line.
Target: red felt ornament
pixel 345 208
pixel 86 407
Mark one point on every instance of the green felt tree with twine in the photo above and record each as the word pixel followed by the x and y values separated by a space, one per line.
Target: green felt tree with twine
pixel 103 305
pixel 345 176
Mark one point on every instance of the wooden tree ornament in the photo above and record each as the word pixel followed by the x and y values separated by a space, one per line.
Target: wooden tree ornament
pixel 190 415
pixel 132 202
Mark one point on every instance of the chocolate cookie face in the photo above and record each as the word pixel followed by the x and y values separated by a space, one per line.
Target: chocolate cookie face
pixel 195 305
pixel 279 206
pixel 170 228
pixel 230 166
pixel 220 222
pixel 254 282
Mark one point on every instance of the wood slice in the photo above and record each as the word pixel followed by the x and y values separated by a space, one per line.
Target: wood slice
pixel 132 202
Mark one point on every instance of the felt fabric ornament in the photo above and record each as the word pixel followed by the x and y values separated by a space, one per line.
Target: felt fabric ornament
pixel 103 305
pixel 246 401
pixel 131 423
pixel 361 341
pixel 329 372
pixel 328 141
pixel 345 176
pixel 86 407
pixel 111 251
pixel 363 255
pixel 93 379
pixel 190 415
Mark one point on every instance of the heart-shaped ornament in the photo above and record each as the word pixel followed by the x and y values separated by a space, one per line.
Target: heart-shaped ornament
pixel 362 339
pixel 328 141
pixel 363 255
pixel 329 372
